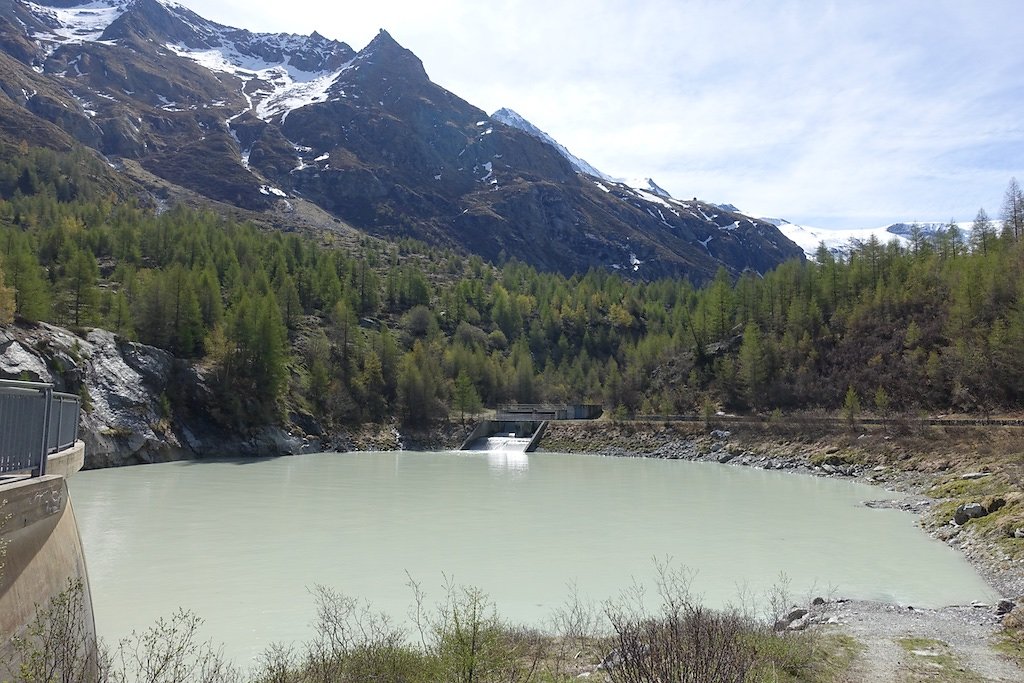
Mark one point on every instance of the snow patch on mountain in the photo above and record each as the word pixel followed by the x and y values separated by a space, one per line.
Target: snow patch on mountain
pixel 273 87
pixel 280 88
pixel 648 186
pixel 79 24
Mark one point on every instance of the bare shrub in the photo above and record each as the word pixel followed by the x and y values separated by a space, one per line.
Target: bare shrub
pixel 354 643
pixel 577 636
pixel 58 645
pixel 170 651
pixel 684 642
pixel 277 664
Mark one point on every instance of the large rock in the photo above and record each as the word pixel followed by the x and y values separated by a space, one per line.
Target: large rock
pixel 968 511
pixel 16 362
pixel 797 619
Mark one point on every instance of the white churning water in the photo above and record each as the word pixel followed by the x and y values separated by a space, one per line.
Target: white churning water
pixel 240 543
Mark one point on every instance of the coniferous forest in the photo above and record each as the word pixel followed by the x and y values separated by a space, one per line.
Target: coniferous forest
pixel 371 331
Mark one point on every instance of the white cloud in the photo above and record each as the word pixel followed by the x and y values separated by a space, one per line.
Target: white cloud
pixel 846 112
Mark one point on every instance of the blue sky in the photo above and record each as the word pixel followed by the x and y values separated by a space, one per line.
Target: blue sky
pixel 831 114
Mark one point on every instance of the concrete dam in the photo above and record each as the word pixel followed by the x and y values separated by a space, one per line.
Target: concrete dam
pixel 41 553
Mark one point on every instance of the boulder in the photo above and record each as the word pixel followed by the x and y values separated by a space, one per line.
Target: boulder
pixel 726 457
pixel 968 511
pixel 795 614
pixel 798 616
pixel 1004 607
pixel 1018 533
pixel 799 624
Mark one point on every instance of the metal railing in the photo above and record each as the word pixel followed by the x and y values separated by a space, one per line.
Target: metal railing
pixel 35 421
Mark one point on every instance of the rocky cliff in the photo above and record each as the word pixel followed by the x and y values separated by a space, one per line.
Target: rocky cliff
pixel 139 404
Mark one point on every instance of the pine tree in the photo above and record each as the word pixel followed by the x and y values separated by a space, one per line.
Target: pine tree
pixel 186 329
pixel 23 273
pixel 466 398
pixel 1013 211
pixel 80 276
pixel 753 365
pixel 983 233
pixel 371 388
pixel 7 304
pixel 851 407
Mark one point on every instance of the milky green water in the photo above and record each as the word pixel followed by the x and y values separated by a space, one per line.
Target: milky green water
pixel 240 543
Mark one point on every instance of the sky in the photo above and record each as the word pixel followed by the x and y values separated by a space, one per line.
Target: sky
pixel 831 114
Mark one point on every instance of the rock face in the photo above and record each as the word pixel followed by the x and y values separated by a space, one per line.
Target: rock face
pixel 128 414
pixel 259 120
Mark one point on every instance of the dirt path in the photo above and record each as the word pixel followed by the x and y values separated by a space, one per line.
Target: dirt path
pixel 907 644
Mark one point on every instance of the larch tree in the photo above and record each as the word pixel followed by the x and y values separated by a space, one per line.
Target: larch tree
pixel 983 233
pixel 1012 213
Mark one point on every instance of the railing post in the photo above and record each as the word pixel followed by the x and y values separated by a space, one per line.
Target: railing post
pixel 44 447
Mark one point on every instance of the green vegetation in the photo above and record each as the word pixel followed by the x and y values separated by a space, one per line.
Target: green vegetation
pixel 375 331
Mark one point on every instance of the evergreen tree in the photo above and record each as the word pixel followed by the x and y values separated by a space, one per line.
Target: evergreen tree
pixel 983 233
pixel 371 388
pixel 466 398
pixel 421 388
pixel 79 285
pixel 23 274
pixel 851 407
pixel 1013 211
pixel 7 304
pixel 753 366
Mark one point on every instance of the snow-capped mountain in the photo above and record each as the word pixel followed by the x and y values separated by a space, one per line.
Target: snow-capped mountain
pixel 513 119
pixel 516 120
pixel 839 241
pixel 266 121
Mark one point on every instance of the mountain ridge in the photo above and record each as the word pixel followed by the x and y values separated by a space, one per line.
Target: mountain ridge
pixel 260 120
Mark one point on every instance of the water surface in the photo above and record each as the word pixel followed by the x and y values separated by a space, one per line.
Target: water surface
pixel 240 543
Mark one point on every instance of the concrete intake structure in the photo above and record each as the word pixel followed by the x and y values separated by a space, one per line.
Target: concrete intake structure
pixel 528 431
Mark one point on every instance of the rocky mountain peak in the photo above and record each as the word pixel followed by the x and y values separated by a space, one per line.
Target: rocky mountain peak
pixel 384 56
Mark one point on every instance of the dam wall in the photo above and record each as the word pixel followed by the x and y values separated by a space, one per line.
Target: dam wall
pixel 41 551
